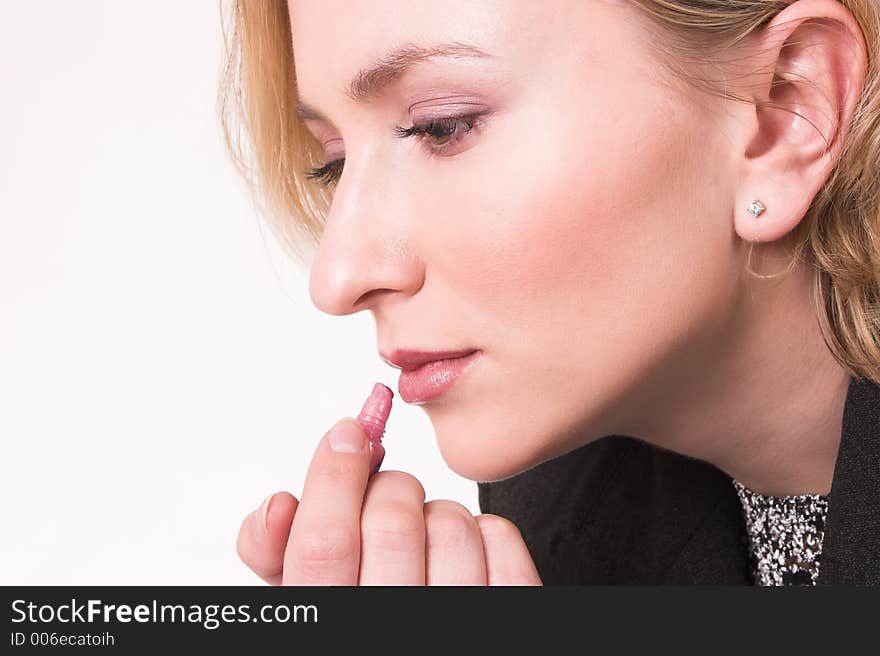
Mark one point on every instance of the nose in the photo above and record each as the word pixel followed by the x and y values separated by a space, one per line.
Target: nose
pixel 365 252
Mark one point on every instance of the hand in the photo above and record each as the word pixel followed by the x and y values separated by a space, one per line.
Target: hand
pixel 351 528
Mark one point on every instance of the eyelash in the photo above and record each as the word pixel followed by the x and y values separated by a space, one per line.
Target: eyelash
pixel 437 128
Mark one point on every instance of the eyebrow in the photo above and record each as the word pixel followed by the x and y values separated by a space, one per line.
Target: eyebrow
pixel 371 81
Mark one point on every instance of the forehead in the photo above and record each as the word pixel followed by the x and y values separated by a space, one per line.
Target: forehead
pixel 334 39
pixel 351 27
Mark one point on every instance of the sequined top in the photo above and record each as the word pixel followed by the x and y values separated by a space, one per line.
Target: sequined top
pixel 785 536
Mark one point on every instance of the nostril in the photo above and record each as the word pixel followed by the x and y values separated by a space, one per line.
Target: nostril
pixel 366 295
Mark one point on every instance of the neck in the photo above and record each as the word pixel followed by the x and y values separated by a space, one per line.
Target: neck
pixel 768 410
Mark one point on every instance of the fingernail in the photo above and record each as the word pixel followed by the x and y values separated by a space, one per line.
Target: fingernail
pixel 264 511
pixel 347 436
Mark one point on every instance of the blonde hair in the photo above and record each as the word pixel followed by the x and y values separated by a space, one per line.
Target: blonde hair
pixel 839 236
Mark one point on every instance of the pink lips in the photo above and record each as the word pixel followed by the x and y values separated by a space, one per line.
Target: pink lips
pixel 431 379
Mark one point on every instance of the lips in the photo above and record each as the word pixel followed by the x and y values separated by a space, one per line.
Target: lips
pixel 410 360
pixel 424 380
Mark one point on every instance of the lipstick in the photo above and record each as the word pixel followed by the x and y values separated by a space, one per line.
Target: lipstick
pixel 372 417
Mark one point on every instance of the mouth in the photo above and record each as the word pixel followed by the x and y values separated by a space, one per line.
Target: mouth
pixel 407 360
pixel 425 376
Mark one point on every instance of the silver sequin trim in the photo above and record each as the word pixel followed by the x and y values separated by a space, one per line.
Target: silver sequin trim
pixel 785 536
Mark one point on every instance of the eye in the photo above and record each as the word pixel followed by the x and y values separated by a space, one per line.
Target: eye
pixel 441 134
pixel 328 174
pixel 446 133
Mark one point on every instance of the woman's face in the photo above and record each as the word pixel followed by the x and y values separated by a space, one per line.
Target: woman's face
pixel 580 234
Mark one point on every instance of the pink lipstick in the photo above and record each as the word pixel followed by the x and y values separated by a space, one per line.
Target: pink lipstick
pixel 372 417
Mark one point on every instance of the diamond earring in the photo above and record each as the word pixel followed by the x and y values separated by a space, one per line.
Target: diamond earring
pixel 756 208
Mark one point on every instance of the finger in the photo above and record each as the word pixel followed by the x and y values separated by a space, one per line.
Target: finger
pixel 324 543
pixel 454 548
pixel 508 561
pixel 263 536
pixel 393 531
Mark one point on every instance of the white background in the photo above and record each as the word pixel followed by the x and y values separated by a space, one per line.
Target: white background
pixel 162 368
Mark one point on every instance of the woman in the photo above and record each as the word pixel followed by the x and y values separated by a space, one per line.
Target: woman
pixel 654 225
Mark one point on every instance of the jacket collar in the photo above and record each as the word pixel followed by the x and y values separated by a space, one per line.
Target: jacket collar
pixel 619 510
pixel 851 546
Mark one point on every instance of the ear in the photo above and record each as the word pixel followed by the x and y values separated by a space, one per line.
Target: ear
pixel 813 60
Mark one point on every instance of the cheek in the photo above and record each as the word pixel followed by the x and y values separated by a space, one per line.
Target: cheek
pixel 584 261
pixel 597 220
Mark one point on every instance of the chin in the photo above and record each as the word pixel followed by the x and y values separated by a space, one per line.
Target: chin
pixel 485 458
pixel 483 471
pixel 493 448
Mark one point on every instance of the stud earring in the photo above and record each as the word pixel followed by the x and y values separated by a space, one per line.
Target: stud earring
pixel 756 208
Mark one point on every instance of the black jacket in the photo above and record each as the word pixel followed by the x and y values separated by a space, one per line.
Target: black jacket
pixel 619 510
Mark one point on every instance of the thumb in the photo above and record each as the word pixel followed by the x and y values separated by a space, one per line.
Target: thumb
pixel 348 437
